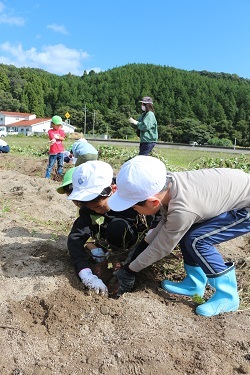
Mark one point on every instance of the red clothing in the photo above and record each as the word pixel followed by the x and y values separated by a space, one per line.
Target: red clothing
pixel 56 147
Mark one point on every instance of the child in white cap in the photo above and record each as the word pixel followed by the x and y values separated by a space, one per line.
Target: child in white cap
pixel 89 186
pixel 200 209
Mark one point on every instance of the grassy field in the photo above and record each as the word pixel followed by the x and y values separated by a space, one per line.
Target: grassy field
pixel 188 158
pixel 174 157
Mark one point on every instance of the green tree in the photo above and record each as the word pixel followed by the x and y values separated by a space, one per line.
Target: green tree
pixel 217 102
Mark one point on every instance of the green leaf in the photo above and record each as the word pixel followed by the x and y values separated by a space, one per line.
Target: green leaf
pixel 198 299
pixel 97 219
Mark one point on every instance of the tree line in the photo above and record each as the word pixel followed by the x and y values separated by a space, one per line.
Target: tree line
pixel 196 106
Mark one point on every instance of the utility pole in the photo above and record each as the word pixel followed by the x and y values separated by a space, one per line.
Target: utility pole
pixel 93 124
pixel 234 143
pixel 84 130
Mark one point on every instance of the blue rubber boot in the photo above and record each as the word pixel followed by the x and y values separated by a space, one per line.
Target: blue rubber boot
pixel 225 298
pixel 194 282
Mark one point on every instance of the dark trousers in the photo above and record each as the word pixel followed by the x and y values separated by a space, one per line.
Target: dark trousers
pixel 198 244
pixel 146 148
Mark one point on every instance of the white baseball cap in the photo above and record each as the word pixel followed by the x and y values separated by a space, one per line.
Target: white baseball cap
pixel 138 179
pixel 89 179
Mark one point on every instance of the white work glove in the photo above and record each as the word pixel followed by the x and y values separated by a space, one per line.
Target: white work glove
pixel 92 282
pixel 98 254
pixel 132 121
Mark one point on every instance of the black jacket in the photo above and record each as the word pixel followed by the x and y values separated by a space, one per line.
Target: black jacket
pixel 88 224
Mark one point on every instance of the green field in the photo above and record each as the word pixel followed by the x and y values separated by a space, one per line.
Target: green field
pixel 175 158
pixel 188 158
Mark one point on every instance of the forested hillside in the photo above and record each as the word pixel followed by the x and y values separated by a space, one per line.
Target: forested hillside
pixel 190 106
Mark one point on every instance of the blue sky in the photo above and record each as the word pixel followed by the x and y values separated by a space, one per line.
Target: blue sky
pixel 72 36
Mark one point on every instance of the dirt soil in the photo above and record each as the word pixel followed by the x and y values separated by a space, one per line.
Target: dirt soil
pixel 50 325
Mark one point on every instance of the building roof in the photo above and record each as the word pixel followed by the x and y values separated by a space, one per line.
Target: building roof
pixel 19 114
pixel 28 122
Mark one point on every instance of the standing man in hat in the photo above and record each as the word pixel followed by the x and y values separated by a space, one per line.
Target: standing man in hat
pixel 146 126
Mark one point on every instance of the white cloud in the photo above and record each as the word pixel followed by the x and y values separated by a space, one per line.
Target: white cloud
pixel 97 70
pixel 56 59
pixel 7 19
pixel 17 21
pixel 58 28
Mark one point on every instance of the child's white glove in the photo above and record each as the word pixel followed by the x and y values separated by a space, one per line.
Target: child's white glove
pixel 92 282
pixel 98 254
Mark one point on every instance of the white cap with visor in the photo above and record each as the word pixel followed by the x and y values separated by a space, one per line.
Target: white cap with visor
pixel 138 179
pixel 89 179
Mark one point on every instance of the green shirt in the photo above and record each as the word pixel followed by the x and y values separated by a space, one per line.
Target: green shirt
pixel 147 125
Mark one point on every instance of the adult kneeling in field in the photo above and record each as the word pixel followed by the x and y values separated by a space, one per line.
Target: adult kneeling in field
pixel 200 208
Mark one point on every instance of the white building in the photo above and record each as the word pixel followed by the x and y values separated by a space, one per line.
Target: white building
pixel 28 124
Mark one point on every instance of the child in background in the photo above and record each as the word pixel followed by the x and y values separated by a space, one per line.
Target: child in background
pixel 67 157
pixel 83 151
pixel 4 147
pixel 56 136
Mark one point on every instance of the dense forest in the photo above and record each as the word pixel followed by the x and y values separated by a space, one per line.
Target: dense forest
pixel 205 107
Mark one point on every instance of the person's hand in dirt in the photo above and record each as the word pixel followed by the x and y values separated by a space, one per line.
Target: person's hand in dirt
pixel 126 279
pixel 92 282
